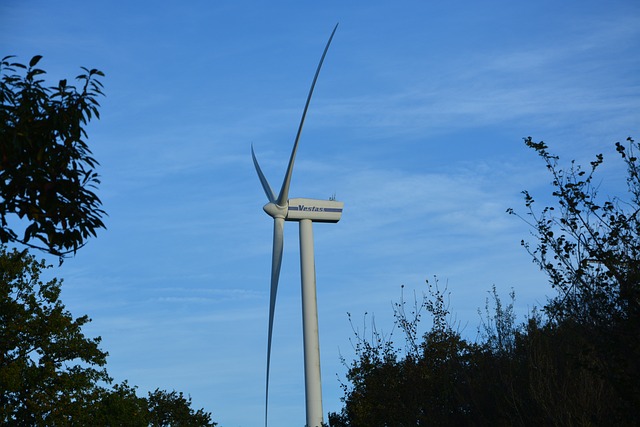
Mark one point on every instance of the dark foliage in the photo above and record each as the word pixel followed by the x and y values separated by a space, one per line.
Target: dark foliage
pixel 573 363
pixel 47 171
pixel 173 409
pixel 48 368
pixel 51 374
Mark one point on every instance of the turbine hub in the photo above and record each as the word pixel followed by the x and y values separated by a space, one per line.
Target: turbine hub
pixel 275 211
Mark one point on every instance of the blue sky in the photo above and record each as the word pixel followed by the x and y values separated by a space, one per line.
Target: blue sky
pixel 416 124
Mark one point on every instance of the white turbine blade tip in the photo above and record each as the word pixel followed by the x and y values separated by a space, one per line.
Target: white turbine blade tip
pixel 284 190
pixel 263 180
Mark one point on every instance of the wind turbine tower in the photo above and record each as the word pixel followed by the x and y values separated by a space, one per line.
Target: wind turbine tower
pixel 305 212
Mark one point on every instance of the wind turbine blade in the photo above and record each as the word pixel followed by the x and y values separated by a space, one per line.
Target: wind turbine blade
pixel 265 184
pixel 284 191
pixel 276 262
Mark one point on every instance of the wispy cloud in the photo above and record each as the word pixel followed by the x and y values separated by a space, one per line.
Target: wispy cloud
pixel 543 86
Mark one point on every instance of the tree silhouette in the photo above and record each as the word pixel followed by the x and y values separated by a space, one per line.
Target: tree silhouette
pixel 572 363
pixel 47 171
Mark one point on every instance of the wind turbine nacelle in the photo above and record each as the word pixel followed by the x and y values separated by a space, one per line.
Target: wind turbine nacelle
pixel 315 210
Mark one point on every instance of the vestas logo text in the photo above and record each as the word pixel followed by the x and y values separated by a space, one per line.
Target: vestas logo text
pixel 310 208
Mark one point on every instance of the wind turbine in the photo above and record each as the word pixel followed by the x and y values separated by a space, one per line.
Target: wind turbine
pixel 305 212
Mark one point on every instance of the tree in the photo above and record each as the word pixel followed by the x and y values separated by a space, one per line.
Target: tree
pixel 51 374
pixel 116 406
pixel 573 363
pixel 173 409
pixel 538 373
pixel 47 171
pixel 120 406
pixel 590 250
pixel 48 368
pixel 420 385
